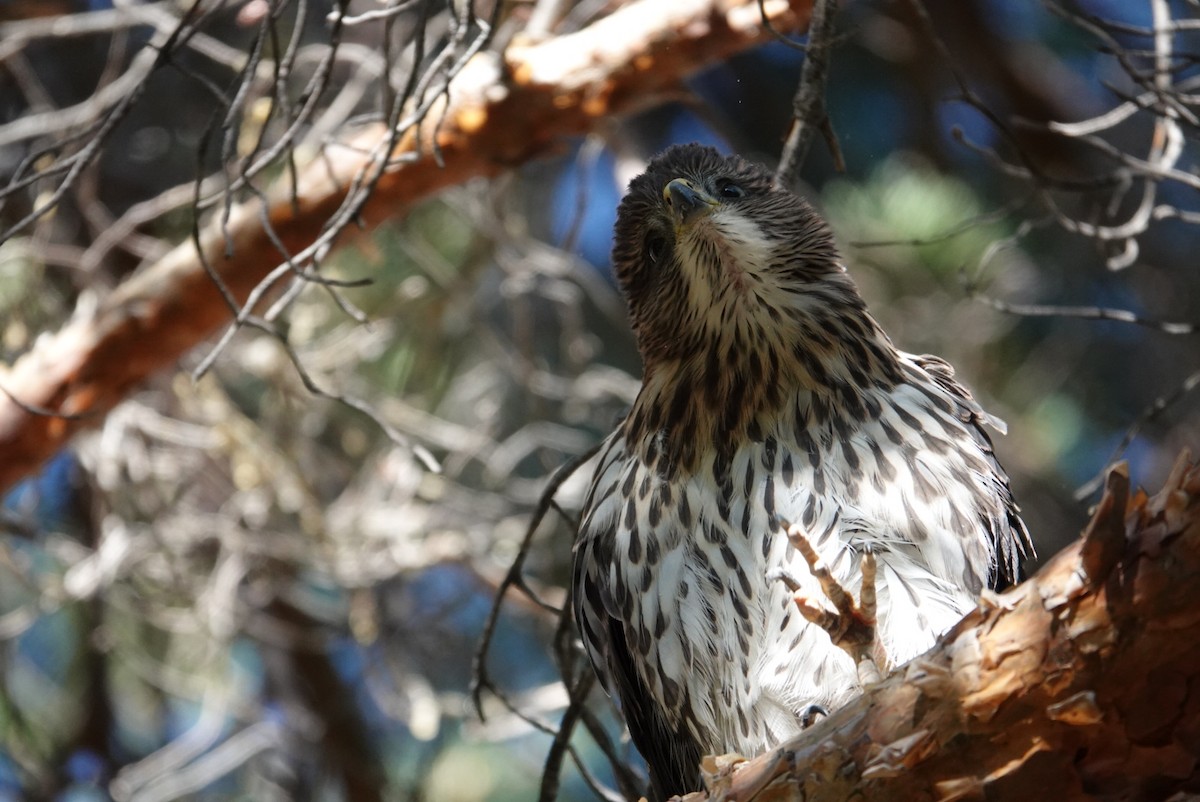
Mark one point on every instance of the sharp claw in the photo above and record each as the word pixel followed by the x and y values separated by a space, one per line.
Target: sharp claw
pixel 810 714
pixel 786 577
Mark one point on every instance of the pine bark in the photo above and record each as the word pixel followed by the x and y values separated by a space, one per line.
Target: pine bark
pixel 1081 683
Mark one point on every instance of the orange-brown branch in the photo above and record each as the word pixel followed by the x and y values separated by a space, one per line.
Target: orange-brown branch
pixel 501 112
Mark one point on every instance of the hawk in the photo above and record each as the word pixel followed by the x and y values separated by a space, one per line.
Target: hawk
pixel 769 394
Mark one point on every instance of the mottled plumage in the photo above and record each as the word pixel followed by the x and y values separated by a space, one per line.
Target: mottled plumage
pixel 768 390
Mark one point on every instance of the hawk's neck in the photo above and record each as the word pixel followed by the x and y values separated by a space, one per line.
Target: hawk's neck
pixel 819 368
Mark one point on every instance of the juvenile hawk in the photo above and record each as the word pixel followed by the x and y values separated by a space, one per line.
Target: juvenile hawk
pixel 769 392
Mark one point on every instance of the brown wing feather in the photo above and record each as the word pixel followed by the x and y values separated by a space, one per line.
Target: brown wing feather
pixel 1011 543
pixel 671 752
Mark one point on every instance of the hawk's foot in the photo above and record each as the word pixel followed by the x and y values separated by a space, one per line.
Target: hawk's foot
pixel 851 625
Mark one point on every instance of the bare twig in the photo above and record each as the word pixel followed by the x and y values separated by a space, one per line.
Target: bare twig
pixel 1084 313
pixel 1156 408
pixel 808 106
pixel 515 577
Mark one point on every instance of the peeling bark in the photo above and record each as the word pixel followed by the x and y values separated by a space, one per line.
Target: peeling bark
pixel 1081 683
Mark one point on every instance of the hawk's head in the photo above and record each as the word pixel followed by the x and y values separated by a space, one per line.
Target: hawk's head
pixel 708 248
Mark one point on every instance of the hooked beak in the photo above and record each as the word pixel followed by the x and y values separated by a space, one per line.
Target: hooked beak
pixel 687 201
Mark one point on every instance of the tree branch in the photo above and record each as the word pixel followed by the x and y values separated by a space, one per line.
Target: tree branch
pixel 500 112
pixel 1077 684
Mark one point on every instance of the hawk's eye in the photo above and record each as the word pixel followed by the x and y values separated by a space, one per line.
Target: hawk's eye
pixel 655 246
pixel 727 189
